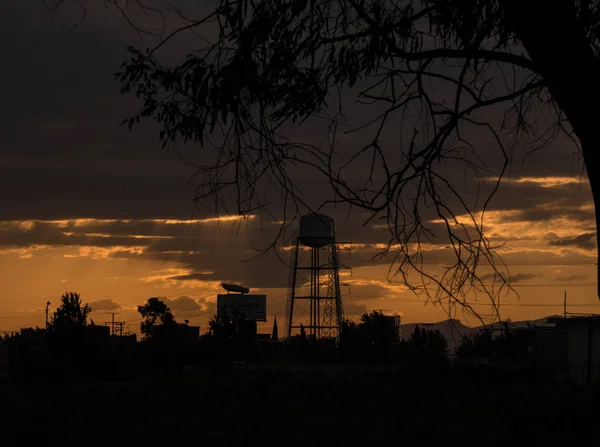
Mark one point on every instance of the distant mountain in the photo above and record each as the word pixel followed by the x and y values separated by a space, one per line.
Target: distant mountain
pixel 453 330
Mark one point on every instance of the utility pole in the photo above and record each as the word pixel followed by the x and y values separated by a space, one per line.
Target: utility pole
pixel 565 306
pixel 112 323
pixel 120 325
pixel 47 304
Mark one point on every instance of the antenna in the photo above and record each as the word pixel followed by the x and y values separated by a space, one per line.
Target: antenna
pixel 235 288
pixel 113 322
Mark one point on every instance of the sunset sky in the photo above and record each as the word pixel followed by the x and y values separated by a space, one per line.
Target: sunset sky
pixel 89 207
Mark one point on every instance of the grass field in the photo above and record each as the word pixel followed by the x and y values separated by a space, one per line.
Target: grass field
pixel 297 410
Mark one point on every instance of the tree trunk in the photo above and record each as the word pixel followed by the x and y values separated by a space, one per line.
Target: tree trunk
pixel 563 56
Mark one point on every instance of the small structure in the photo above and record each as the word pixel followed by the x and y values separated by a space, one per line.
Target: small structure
pixel 188 332
pixel 569 348
pixel 393 327
pixel 240 304
pixel 579 347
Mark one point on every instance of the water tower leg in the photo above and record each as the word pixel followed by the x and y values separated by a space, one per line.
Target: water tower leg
pixel 289 314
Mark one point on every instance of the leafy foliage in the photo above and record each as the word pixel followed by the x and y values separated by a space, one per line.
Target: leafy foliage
pixel 428 347
pixel 438 81
pixel 71 316
pixel 373 340
pixel 154 312
pixel 231 337
pixel 487 347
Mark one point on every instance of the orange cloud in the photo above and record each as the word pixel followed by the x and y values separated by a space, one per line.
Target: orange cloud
pixel 543 182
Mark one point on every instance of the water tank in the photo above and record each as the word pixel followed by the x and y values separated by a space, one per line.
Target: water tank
pixel 316 230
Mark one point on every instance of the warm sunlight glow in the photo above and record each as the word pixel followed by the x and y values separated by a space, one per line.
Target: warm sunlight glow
pixel 549 182
pixel 543 182
pixel 226 218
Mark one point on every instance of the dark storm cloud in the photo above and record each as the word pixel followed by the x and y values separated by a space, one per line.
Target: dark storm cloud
pixel 185 306
pixel 211 251
pixel 106 304
pixel 534 200
pixel 202 276
pixel 523 277
pixel 512 279
pixel 586 241
pixel 182 303
pixel 216 250
pixel 571 278
pixel 354 308
pixel 65 154
pixel 542 214
pixel 201 247
pixel 266 271
pixel 165 237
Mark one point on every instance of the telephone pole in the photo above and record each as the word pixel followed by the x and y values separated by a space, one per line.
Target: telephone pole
pixel 47 304
pixel 112 322
pixel 120 325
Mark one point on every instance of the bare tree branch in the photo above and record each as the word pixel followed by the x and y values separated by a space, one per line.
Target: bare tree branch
pixel 436 73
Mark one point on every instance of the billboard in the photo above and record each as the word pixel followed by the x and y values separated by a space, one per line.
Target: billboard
pixel 250 307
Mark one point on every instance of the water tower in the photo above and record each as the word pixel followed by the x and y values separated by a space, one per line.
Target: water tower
pixel 314 300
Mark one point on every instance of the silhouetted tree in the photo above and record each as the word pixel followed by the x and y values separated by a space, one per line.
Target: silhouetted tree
pixel 377 327
pixel 371 340
pixel 154 312
pixel 464 351
pixel 478 347
pixel 222 327
pixel 71 316
pixel 28 352
pixel 417 338
pixel 464 67
pixel 231 336
pixel 70 341
pixel 515 344
pixel 509 345
pixel 353 348
pixel 427 347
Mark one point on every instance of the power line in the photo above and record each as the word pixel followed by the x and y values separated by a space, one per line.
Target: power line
pixel 511 264
pixel 110 289
pixel 498 284
pixel 19 317
pixel 411 301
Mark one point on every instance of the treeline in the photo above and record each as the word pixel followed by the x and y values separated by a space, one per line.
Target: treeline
pixel 73 346
pixel 371 341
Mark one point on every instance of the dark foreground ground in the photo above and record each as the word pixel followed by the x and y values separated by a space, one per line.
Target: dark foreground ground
pixel 302 410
